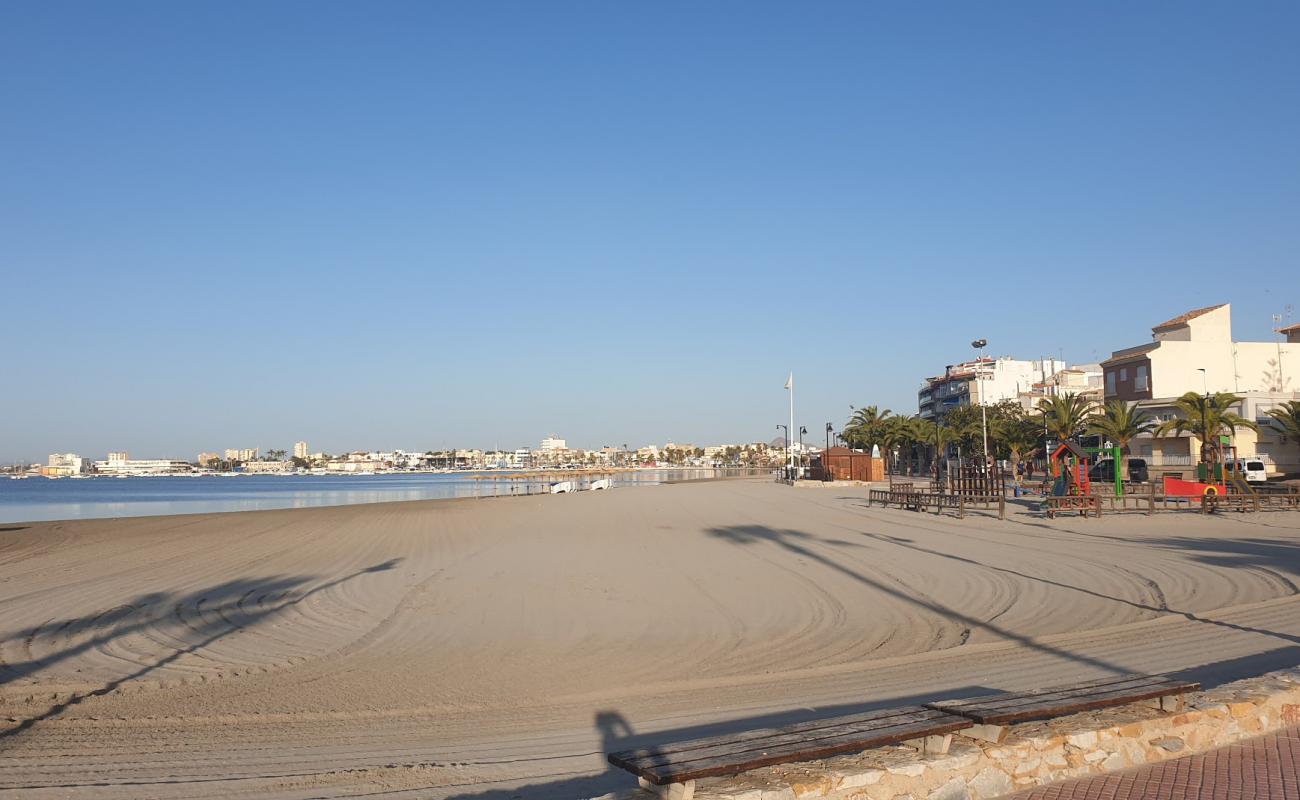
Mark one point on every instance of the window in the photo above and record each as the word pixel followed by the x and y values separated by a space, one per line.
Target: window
pixel 1123 375
pixel 1110 383
pixel 1140 378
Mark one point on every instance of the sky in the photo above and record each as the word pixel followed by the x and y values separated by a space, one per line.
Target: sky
pixel 422 225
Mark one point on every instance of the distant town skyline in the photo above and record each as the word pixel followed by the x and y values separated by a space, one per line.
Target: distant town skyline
pixel 438 226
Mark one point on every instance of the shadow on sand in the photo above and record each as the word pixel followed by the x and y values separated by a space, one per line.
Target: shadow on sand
pixel 616 733
pixel 207 616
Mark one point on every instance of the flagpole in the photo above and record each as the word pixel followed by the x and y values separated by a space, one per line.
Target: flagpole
pixel 790 430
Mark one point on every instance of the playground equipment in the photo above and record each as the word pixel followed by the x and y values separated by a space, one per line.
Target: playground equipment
pixel 1116 455
pixel 1177 487
pixel 1069 466
pixel 1213 479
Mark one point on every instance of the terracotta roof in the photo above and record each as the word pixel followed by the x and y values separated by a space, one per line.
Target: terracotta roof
pixel 1183 318
pixel 1129 354
pixel 1289 328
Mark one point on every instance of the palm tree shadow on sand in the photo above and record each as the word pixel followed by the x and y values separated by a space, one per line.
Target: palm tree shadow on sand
pixel 210 615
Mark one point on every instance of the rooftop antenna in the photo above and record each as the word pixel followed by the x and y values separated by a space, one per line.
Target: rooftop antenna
pixel 1277 328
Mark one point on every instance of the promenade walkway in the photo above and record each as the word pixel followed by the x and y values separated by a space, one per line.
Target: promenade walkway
pixel 1265 768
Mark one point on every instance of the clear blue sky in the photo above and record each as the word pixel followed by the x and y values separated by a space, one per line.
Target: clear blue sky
pixel 376 225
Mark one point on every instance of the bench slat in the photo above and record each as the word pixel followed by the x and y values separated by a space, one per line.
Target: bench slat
pixel 783 739
pixel 1058 702
pixel 748 759
pixel 1062 708
pixel 883 716
pixel 1012 702
pixel 988 700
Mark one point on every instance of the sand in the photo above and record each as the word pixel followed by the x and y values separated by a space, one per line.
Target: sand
pixel 497 648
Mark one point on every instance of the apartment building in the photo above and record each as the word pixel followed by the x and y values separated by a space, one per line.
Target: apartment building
pixel 983 381
pixel 123 464
pixel 1195 352
pixel 65 464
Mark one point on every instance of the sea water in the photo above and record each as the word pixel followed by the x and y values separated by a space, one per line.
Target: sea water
pixel 34 499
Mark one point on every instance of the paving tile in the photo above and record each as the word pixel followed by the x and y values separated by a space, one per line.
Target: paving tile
pixel 1265 768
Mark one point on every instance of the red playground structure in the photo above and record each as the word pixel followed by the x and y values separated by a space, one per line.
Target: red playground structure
pixel 1211 476
pixel 1070 470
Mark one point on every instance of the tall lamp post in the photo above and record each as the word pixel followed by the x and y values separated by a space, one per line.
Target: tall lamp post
pixel 786 441
pixel 826 456
pixel 980 344
pixel 802 431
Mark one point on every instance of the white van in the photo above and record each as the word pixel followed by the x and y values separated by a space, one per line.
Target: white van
pixel 1252 469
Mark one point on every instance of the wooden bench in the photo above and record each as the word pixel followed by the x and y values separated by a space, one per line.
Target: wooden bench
pixel 672 769
pixel 993 713
pixel 1085 504
pixel 912 500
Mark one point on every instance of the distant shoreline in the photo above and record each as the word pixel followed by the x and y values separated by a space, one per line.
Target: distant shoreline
pixel 52 500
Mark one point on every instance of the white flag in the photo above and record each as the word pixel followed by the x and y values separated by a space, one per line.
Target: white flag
pixel 789 382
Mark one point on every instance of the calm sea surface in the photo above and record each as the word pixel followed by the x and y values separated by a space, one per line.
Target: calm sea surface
pixel 34 499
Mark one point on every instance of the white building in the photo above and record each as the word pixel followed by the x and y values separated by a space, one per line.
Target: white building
pixel 299 449
pixel 983 381
pixel 61 464
pixel 551 443
pixel 121 464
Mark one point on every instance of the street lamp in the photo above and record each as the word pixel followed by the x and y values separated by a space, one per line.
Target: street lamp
pixel 802 431
pixel 786 440
pixel 980 344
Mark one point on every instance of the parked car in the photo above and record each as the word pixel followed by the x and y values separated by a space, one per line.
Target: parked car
pixel 1104 470
pixel 1252 469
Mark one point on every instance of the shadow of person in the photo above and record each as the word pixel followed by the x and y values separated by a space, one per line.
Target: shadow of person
pixel 615 734
pixel 614 730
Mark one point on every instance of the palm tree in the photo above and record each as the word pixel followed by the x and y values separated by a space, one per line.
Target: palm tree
pixel 912 430
pixel 895 432
pixel 866 427
pixel 1206 416
pixel 966 424
pixel 1018 434
pixel 935 433
pixel 1065 416
pixel 1288 416
pixel 1120 423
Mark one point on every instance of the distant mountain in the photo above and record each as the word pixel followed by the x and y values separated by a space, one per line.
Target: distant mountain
pixel 777 442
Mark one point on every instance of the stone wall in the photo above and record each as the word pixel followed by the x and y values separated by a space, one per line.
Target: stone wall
pixel 1032 754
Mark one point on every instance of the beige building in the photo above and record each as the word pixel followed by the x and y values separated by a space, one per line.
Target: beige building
pixel 300 450
pixel 267 466
pixel 1195 352
pixel 65 464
